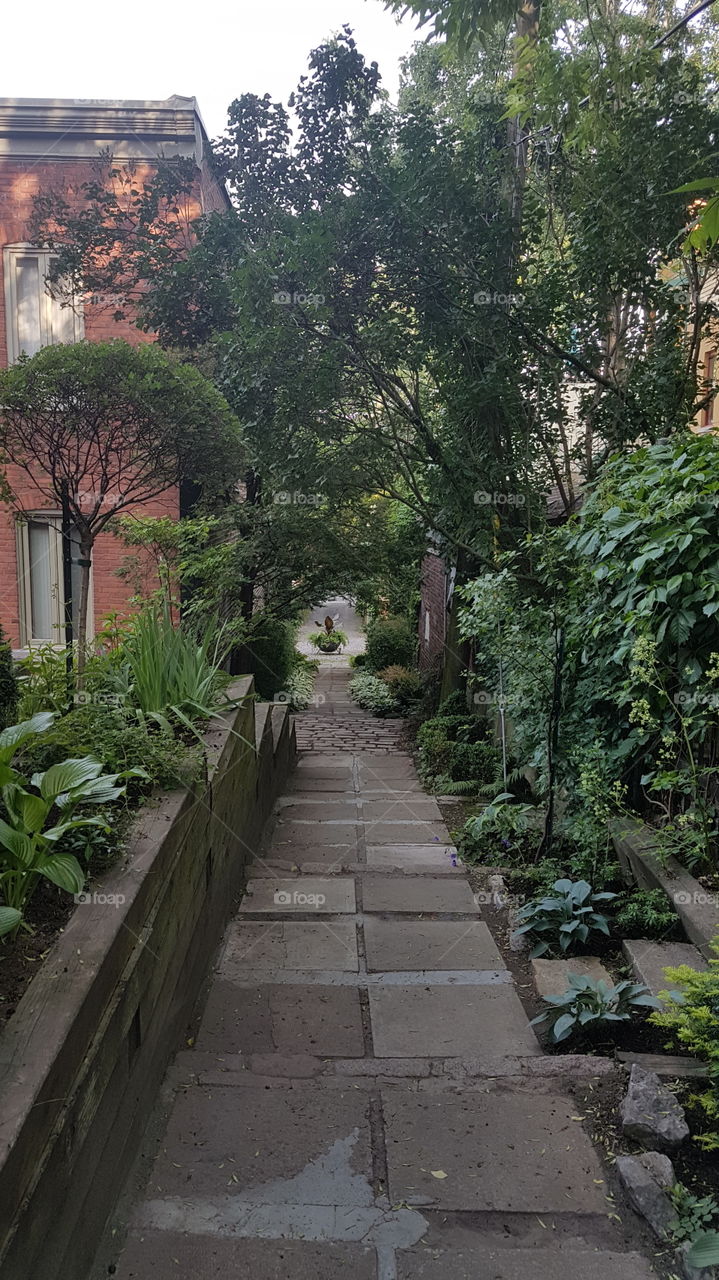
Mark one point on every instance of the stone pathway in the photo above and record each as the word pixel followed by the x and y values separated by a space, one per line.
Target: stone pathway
pixel 365 1096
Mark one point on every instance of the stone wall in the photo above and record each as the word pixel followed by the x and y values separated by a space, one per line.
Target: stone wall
pixel 83 1057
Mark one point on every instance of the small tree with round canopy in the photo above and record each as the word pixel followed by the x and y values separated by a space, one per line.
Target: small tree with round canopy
pixel 107 426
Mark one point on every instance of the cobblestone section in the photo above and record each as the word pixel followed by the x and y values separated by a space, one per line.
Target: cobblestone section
pixel 365 1096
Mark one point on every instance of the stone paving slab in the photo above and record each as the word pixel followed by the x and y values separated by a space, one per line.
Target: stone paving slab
pixel 449 1021
pixel 395 808
pixel 649 959
pixel 301 783
pixel 281 1147
pixel 417 894
pixel 511 1152
pixel 325 895
pixel 430 944
pixel 303 811
pixel 398 832
pixel 274 944
pixel 552 976
pixel 321 1020
pixel 317 859
pixel 174 1255
pixel 413 857
pixel 300 834
pixel 503 1261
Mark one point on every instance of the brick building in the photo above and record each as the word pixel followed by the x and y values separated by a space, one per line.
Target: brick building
pixel 53 144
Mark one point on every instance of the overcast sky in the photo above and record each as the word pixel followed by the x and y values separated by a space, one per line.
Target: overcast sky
pixel 215 49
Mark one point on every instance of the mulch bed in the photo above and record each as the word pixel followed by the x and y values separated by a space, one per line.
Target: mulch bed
pixel 22 956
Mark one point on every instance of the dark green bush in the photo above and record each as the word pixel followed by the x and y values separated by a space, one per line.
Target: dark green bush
pixel 119 742
pixel 390 641
pixel 404 685
pixel 272 655
pixel 8 684
pixel 457 748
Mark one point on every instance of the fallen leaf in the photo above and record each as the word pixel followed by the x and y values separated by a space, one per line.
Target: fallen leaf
pixel 438 1173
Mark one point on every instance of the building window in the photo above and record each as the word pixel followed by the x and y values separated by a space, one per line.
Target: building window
pixel 41 581
pixel 34 318
pixel 710 415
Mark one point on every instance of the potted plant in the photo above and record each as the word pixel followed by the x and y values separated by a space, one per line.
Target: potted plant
pixel 327 639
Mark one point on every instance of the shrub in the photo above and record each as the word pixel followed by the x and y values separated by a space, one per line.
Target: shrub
pixel 404 685
pixel 587 1003
pixel 121 741
pixel 372 694
pixel 300 684
pixel 456 749
pixel 390 641
pixel 564 919
pixel 271 654
pixel 646 913
pixel 38 814
pixel 8 684
pixel 501 830
pixel 691 1015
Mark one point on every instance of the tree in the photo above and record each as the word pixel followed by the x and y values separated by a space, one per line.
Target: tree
pixel 105 427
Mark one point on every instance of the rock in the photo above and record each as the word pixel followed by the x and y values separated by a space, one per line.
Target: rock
pixel 650 1113
pixel 520 943
pixel 552 976
pixel 688 1271
pixel 647 1180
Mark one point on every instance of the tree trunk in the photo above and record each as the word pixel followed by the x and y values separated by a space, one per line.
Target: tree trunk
pixel 85 563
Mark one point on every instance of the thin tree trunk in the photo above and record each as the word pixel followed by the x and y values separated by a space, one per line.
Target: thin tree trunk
pixel 85 563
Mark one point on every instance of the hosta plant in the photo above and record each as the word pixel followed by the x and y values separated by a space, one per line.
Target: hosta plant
pixel 588 1002
pixel 565 919
pixel 38 814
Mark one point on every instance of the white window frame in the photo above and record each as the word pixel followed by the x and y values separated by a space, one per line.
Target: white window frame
pixel 27 640
pixel 24 250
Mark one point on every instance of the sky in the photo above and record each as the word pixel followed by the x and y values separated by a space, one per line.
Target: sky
pixel 214 50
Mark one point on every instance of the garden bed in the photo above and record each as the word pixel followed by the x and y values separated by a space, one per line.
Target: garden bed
pixel 82 1057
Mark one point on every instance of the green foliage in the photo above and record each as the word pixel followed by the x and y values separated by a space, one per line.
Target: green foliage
pixel 456 748
pixel 503 830
pixel 372 694
pixel 300 685
pixel 705 1250
pixel 565 920
pixel 328 641
pixel 691 1015
pixel 39 812
pixel 8 683
pixel 169 676
pixel 646 913
pixel 390 642
pixel 588 1004
pixel 404 685
pixel 694 1213
pixel 120 740
pixel 272 654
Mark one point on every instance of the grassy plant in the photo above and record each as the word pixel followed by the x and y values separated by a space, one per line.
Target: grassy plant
pixel 168 675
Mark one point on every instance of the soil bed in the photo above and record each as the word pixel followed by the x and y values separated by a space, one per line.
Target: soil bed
pixel 21 957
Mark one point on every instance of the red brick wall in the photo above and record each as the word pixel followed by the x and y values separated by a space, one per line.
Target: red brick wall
pixel 19 183
pixel 433 591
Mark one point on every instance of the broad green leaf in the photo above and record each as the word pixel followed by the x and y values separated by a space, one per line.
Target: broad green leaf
pixel 64 871
pixel 68 776
pixel 10 918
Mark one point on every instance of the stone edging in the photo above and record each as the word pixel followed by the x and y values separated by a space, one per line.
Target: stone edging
pixel 83 1057
pixel 697 909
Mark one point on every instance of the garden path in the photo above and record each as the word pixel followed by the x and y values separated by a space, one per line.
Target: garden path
pixel 364 1096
